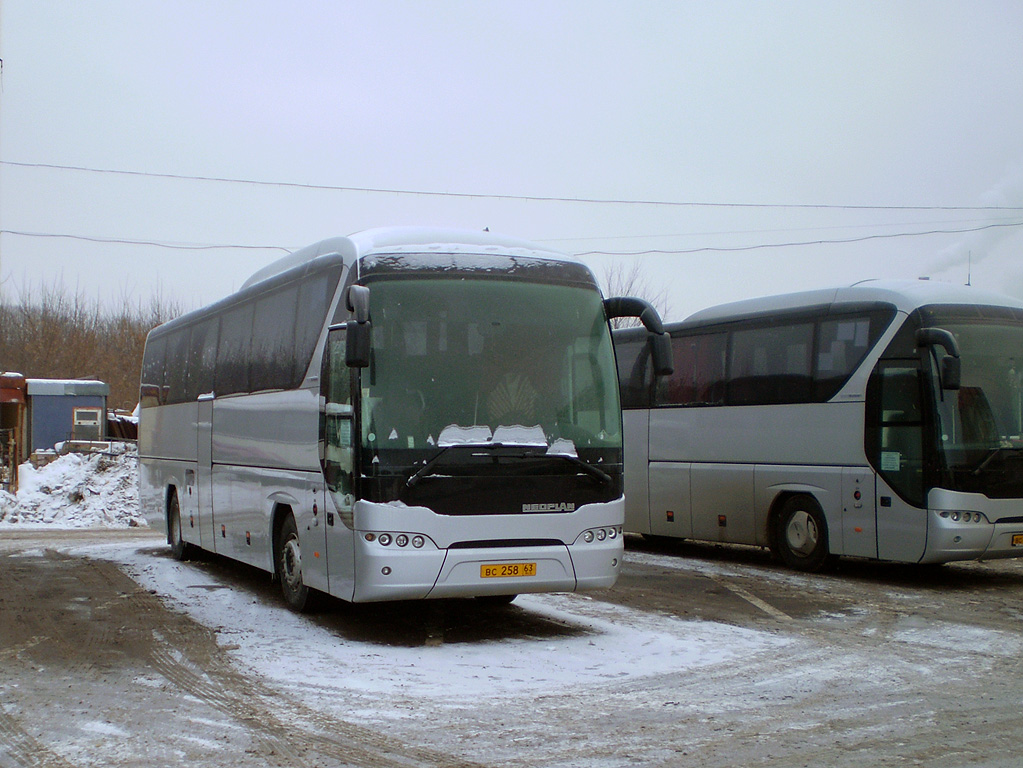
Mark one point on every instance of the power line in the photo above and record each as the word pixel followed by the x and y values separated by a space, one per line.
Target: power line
pixel 732 232
pixel 760 246
pixel 650 252
pixel 521 198
pixel 154 243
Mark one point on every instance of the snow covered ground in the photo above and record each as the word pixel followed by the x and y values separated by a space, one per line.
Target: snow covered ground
pixel 864 682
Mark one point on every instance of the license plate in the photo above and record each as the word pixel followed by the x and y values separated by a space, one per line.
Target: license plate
pixel 507 570
pixel 1017 539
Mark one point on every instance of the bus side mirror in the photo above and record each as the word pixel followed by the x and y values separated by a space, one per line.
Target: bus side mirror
pixel 660 354
pixel 951 367
pixel 359 329
pixel 951 372
pixel 660 341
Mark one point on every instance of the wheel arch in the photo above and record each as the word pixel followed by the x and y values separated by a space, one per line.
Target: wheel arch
pixel 282 507
pixel 782 497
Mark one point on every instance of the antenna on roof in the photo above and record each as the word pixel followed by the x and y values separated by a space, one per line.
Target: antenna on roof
pixel 969 267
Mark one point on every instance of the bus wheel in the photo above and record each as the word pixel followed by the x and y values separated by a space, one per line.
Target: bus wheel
pixel 289 566
pixel 180 549
pixel 801 535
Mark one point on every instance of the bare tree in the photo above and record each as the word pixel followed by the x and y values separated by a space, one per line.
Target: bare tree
pixel 52 332
pixel 621 279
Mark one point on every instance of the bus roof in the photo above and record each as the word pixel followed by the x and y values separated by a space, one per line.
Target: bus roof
pixel 905 295
pixel 394 240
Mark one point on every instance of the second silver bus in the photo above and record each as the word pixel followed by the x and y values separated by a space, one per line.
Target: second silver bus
pixel 880 420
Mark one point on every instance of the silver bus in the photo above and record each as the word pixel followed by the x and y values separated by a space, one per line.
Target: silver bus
pixel 881 420
pixel 399 414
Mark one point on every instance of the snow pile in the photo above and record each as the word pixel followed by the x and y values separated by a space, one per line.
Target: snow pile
pixel 98 490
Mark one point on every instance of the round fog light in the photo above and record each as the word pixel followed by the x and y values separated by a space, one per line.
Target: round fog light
pixel 401 539
pixel 386 570
pixel 588 536
pixel 417 541
pixel 955 517
pixel 612 533
pixel 601 534
pixel 385 539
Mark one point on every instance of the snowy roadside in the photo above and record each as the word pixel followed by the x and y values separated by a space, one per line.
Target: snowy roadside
pixel 97 490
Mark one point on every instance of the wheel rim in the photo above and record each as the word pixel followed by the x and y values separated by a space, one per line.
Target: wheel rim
pixel 801 534
pixel 291 563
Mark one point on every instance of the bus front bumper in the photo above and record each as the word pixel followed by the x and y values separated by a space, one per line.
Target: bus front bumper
pixel 409 574
pixel 950 537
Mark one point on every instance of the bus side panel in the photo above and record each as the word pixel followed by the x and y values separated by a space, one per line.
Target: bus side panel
pixel 901 527
pixel 340 551
pixel 670 500
pixel 802 435
pixel 636 424
pixel 268 429
pixel 859 518
pixel 155 477
pixel 723 503
pixel 244 499
pixel 167 448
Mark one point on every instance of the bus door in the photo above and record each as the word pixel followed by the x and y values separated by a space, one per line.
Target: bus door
pixel 895 405
pixel 338 434
pixel 204 471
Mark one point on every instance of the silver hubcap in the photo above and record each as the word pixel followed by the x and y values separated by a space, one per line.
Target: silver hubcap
pixel 801 534
pixel 292 564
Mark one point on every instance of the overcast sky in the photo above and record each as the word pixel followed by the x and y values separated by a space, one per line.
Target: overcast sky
pixel 744 117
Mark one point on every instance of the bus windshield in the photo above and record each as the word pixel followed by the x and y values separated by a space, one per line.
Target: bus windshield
pixel 487 361
pixel 980 428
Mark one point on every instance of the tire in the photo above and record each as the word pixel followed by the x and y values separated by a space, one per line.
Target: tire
pixel 801 535
pixel 288 557
pixel 180 549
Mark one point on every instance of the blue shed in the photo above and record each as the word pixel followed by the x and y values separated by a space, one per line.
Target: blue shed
pixel 62 409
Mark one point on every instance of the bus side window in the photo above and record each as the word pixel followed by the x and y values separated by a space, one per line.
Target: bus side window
pixel 338 426
pixel 634 372
pixel 699 377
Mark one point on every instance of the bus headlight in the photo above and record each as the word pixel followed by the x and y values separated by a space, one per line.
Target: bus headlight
pixel 957 515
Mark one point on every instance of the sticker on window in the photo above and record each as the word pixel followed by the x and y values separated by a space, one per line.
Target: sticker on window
pixel 891 461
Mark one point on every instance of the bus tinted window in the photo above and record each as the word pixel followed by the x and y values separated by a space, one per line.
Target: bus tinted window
pixel 633 359
pixel 202 359
pixel 233 350
pixel 272 364
pixel 700 371
pixel 175 382
pixel 152 372
pixel 841 345
pixel 771 365
pixel 314 295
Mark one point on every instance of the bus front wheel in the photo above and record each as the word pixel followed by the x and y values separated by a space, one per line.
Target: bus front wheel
pixel 289 567
pixel 801 535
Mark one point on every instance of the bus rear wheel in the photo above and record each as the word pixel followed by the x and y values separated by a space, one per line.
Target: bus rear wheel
pixel 801 535
pixel 180 549
pixel 289 567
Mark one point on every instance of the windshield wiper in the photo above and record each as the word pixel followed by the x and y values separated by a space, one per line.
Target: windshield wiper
pixel 586 467
pixel 430 463
pixel 1014 452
